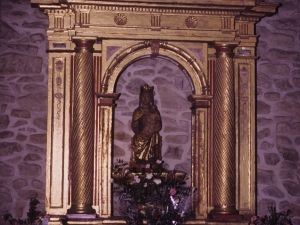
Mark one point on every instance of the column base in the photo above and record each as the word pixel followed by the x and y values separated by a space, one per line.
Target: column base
pixel 226 216
pixel 221 213
pixel 81 209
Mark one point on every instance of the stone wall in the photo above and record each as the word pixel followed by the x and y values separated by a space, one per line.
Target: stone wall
pixel 23 106
pixel 278 110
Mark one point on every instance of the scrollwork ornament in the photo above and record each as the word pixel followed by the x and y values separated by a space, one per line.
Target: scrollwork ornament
pixel 191 22
pixel 120 19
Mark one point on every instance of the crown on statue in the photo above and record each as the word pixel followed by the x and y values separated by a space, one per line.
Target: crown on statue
pixel 146 88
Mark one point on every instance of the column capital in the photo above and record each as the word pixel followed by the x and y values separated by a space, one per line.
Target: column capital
pixel 200 101
pixel 107 99
pixel 84 41
pixel 225 48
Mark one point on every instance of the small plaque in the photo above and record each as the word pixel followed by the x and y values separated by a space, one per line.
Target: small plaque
pixel 59 45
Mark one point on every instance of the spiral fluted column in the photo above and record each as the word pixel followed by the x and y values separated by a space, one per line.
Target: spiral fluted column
pixel 224 173
pixel 82 141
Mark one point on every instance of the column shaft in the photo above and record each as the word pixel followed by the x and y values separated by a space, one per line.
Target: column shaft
pixel 82 142
pixel 224 134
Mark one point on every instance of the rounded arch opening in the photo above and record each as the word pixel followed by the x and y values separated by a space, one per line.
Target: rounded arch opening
pixel 171 87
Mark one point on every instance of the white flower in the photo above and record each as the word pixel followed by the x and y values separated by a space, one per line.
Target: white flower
pixel 111 180
pixel 149 176
pixel 145 184
pixel 158 161
pixel 148 166
pixel 137 179
pixel 157 181
pixel 126 171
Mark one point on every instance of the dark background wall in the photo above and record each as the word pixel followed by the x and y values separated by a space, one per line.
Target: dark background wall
pixel 23 107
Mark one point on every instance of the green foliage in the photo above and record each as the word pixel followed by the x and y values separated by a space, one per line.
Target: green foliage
pixel 33 215
pixel 274 218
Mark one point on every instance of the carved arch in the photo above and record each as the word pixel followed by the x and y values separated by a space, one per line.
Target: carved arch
pixel 142 49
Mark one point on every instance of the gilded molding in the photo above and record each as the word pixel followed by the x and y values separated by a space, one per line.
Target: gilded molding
pixel 165 46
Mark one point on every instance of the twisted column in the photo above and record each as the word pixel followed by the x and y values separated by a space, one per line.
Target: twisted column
pixel 82 142
pixel 224 173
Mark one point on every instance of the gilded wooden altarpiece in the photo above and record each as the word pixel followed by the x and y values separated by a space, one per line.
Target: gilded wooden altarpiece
pixel 92 42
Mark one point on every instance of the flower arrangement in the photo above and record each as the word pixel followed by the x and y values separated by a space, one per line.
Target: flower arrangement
pixel 160 197
pixel 34 217
pixel 275 218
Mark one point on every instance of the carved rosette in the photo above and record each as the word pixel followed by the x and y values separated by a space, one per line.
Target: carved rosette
pixel 120 19
pixel 191 22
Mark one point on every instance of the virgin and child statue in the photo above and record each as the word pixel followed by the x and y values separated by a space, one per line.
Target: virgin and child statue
pixel 146 124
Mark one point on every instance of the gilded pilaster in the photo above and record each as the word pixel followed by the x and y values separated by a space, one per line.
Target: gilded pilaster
pixel 201 126
pixel 106 109
pixel 82 141
pixel 224 171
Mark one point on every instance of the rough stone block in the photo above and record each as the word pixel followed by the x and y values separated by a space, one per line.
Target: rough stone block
pixel 5 197
pixel 272 96
pixel 4 121
pixel 173 152
pixel 288 153
pixel 19 183
pixel 27 194
pixel 118 152
pixel 295 128
pixel 38 138
pixel 32 157
pixel 38 184
pixel 33 78
pixel 176 139
pixel 20 113
pixel 292 96
pixel 21 137
pixel 37 38
pixel 26 64
pixel 34 88
pixel 6 98
pixel 286 174
pixel 266 145
pixel 20 123
pixel 271 158
pixel 277 55
pixel 277 39
pixel 30 49
pixel 262 121
pixel 283 23
pixel 35 25
pixel 283 127
pixel 274 69
pixel 263 133
pixel 6 134
pixel 8 148
pixel 6 170
pixel 283 85
pixel 263 108
pixel 34 102
pixel 29 171
pixel 265 177
pixel 292 188
pixel 7 32
pixel 262 206
pixel 273 191
pixel 283 141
